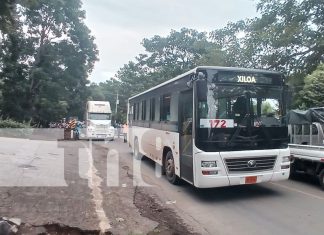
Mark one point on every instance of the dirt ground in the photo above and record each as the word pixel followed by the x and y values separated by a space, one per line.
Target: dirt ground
pixel 73 210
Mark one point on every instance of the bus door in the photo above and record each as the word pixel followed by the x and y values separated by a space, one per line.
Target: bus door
pixel 185 133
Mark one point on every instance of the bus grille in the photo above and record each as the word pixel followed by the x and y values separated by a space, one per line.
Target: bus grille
pixel 251 164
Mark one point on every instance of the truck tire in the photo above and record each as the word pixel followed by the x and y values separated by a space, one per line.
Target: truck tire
pixel 321 178
pixel 170 169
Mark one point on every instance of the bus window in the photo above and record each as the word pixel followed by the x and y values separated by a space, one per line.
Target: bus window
pixel 157 109
pixel 152 109
pixel 147 115
pixel 165 107
pixel 134 111
pixel 137 111
pixel 143 116
pixel 174 106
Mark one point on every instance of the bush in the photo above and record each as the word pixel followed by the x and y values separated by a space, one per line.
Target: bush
pixel 9 123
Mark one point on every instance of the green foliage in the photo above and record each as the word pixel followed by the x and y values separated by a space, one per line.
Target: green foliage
pixel 312 94
pixel 287 37
pixel 266 108
pixel 229 45
pixel 179 51
pixel 9 123
pixel 43 73
pixel 165 58
pixel 44 68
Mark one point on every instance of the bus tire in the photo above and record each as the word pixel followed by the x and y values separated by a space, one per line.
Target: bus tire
pixel 293 170
pixel 170 169
pixel 136 152
pixel 321 178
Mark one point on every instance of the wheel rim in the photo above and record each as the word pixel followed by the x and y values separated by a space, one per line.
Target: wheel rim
pixel 169 168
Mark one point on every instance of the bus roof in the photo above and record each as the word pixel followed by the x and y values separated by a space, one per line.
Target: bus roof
pixel 238 69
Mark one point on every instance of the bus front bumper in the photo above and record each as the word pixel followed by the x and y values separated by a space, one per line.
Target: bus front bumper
pixel 203 181
pixel 220 177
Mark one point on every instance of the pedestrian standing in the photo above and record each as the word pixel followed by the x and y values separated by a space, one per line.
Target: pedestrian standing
pixel 125 131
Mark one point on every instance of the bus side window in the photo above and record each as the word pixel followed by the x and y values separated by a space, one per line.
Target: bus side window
pixel 152 109
pixel 134 111
pixel 165 107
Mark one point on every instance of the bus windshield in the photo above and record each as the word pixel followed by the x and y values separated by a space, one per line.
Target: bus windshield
pixel 236 117
pixel 99 116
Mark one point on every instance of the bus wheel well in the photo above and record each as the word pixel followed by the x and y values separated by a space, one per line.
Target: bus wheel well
pixel 319 167
pixel 165 151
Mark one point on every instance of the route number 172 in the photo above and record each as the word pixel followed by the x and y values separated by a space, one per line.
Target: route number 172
pixel 218 123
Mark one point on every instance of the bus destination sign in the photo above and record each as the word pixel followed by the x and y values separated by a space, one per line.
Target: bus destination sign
pixel 254 78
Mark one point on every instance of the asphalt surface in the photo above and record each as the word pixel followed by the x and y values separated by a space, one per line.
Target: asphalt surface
pixel 45 182
pixel 286 207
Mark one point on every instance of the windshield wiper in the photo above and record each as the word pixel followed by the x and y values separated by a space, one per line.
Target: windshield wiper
pixel 237 131
pixel 265 131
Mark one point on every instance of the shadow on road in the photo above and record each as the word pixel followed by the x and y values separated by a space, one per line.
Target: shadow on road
pixel 305 179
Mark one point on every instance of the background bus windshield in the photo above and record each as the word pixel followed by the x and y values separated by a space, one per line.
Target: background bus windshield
pixel 240 116
pixel 99 116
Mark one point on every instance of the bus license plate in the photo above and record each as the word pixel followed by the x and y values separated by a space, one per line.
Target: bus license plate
pixel 251 179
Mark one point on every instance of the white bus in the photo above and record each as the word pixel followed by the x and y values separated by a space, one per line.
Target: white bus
pixel 214 126
pixel 98 118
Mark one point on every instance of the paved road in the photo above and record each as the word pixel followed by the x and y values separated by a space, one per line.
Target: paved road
pixel 287 207
pixel 55 186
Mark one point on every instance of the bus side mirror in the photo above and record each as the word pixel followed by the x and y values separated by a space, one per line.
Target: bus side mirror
pixel 195 77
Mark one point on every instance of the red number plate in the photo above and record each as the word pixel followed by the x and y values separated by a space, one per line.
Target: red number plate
pixel 251 179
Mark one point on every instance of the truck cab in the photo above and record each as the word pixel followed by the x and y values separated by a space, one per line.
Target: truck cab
pixel 98 120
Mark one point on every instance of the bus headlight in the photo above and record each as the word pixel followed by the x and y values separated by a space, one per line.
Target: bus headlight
pixel 208 164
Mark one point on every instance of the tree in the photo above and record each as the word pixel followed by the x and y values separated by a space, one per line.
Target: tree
pixel 312 95
pixel 228 43
pixel 6 15
pixel 96 92
pixel 178 52
pixel 287 37
pixel 53 59
pixel 165 58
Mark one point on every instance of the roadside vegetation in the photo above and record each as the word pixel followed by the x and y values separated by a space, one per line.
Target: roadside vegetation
pixel 48 52
pixel 46 56
pixel 9 123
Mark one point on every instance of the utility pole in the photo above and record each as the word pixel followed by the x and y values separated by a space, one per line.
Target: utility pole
pixel 117 103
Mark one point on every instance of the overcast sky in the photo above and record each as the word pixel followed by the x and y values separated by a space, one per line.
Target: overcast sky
pixel 119 26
